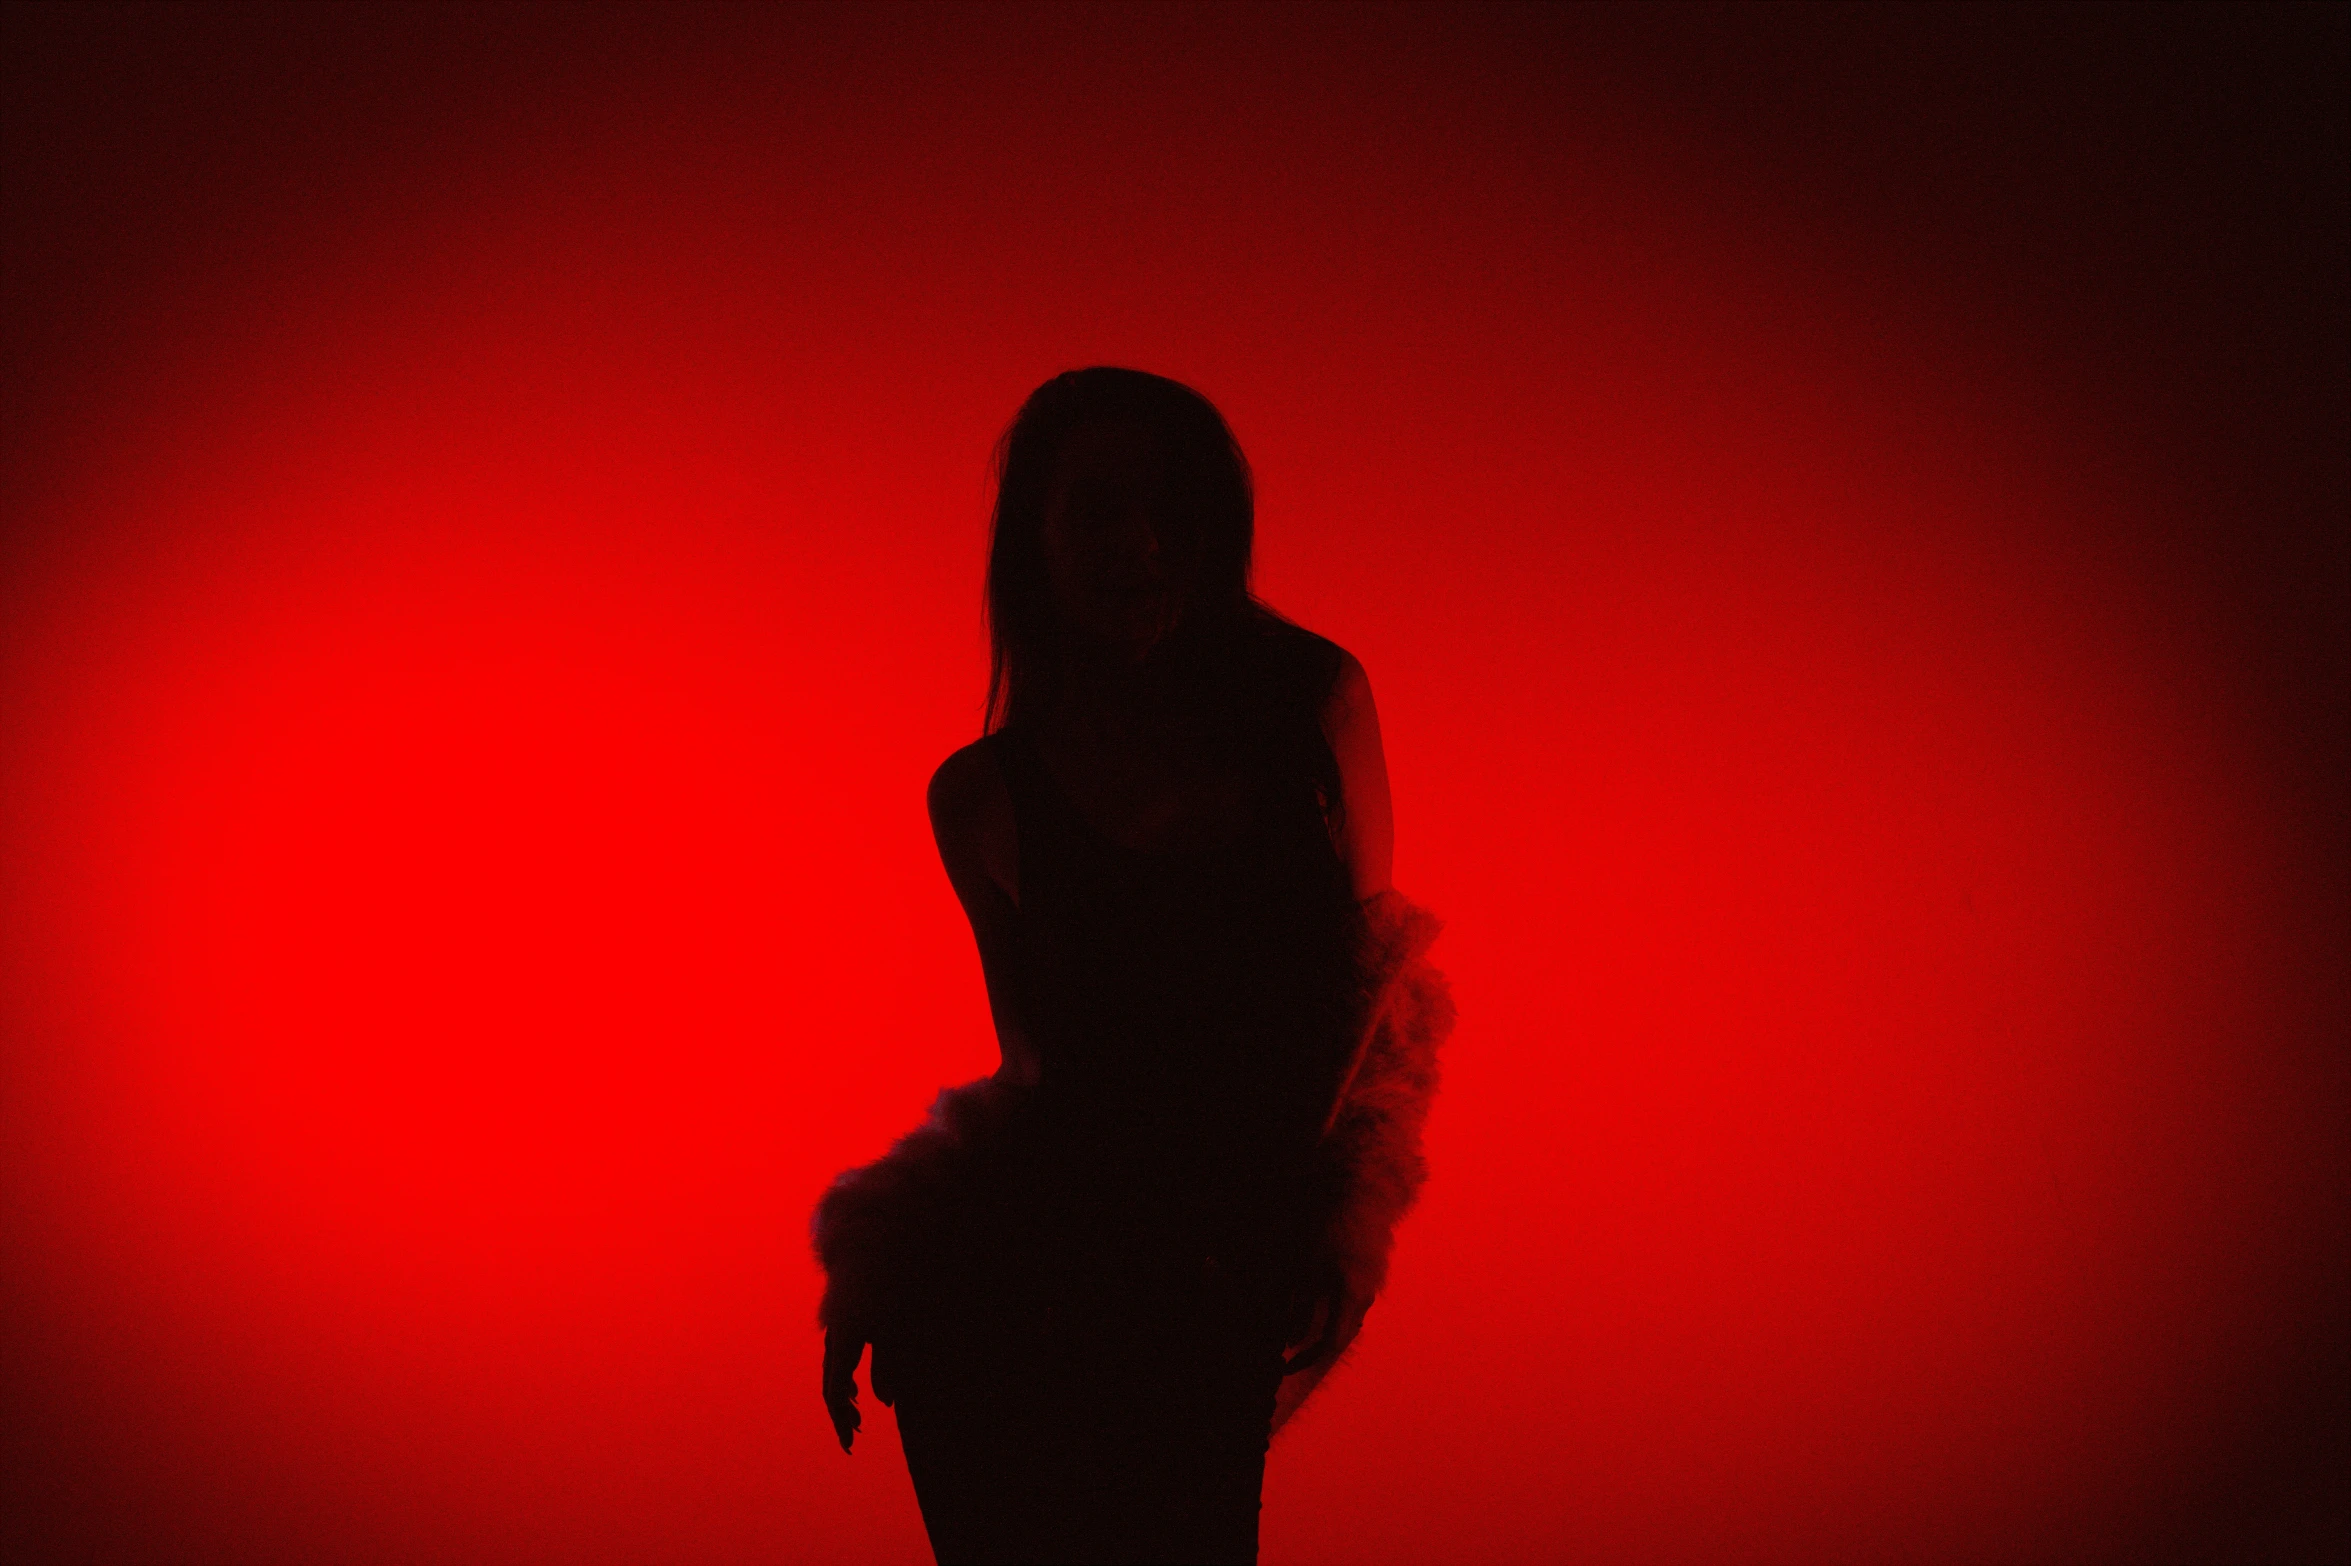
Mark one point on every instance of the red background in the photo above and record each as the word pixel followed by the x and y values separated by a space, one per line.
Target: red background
pixel 1844 512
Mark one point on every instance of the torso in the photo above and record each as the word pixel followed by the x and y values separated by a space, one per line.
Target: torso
pixel 1170 963
pixel 1175 959
pixel 1135 793
pixel 1138 795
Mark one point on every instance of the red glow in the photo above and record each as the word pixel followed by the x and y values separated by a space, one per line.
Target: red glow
pixel 475 656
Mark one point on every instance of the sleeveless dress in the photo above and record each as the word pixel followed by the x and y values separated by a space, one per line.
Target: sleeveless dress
pixel 1090 1368
pixel 1079 1292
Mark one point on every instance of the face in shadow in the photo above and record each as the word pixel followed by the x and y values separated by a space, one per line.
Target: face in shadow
pixel 1119 550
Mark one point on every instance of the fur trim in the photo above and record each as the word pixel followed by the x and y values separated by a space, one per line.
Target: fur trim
pixel 1371 1145
pixel 1370 1157
pixel 875 1223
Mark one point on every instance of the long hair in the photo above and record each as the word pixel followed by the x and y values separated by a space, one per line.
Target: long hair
pixel 1239 676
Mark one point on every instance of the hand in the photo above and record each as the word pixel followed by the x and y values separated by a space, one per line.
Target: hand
pixel 1329 1317
pixel 843 1348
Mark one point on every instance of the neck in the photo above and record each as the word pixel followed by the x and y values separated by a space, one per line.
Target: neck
pixel 1108 699
pixel 1120 693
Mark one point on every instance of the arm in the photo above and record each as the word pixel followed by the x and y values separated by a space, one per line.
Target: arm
pixel 1329 1316
pixel 971 819
pixel 1366 839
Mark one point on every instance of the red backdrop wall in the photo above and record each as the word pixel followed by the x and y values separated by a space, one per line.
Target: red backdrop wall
pixel 1844 515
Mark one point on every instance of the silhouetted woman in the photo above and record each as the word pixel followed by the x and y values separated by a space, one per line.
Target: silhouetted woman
pixel 1081 1277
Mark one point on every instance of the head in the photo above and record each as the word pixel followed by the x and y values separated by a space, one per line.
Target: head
pixel 1122 525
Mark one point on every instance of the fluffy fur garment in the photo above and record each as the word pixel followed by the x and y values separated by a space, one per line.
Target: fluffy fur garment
pixel 875 1222
pixel 1369 1158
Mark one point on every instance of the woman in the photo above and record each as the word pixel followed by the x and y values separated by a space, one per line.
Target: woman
pixel 1080 1278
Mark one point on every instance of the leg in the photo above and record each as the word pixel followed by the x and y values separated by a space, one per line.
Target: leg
pixel 1174 1424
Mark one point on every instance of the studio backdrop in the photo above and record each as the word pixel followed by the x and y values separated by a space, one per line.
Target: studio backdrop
pixel 1843 512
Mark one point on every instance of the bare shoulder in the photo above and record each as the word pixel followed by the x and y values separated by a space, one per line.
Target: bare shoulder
pixel 963 781
pixel 1347 707
pixel 971 816
pixel 1365 838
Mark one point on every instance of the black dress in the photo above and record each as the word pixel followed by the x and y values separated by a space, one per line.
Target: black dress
pixel 1088 1369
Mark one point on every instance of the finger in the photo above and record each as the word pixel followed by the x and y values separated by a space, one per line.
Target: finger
pixel 847 1420
pixel 1308 1357
pixel 1300 1321
pixel 842 1350
pixel 1340 1317
pixel 1314 1353
pixel 1308 1321
pixel 1320 1334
